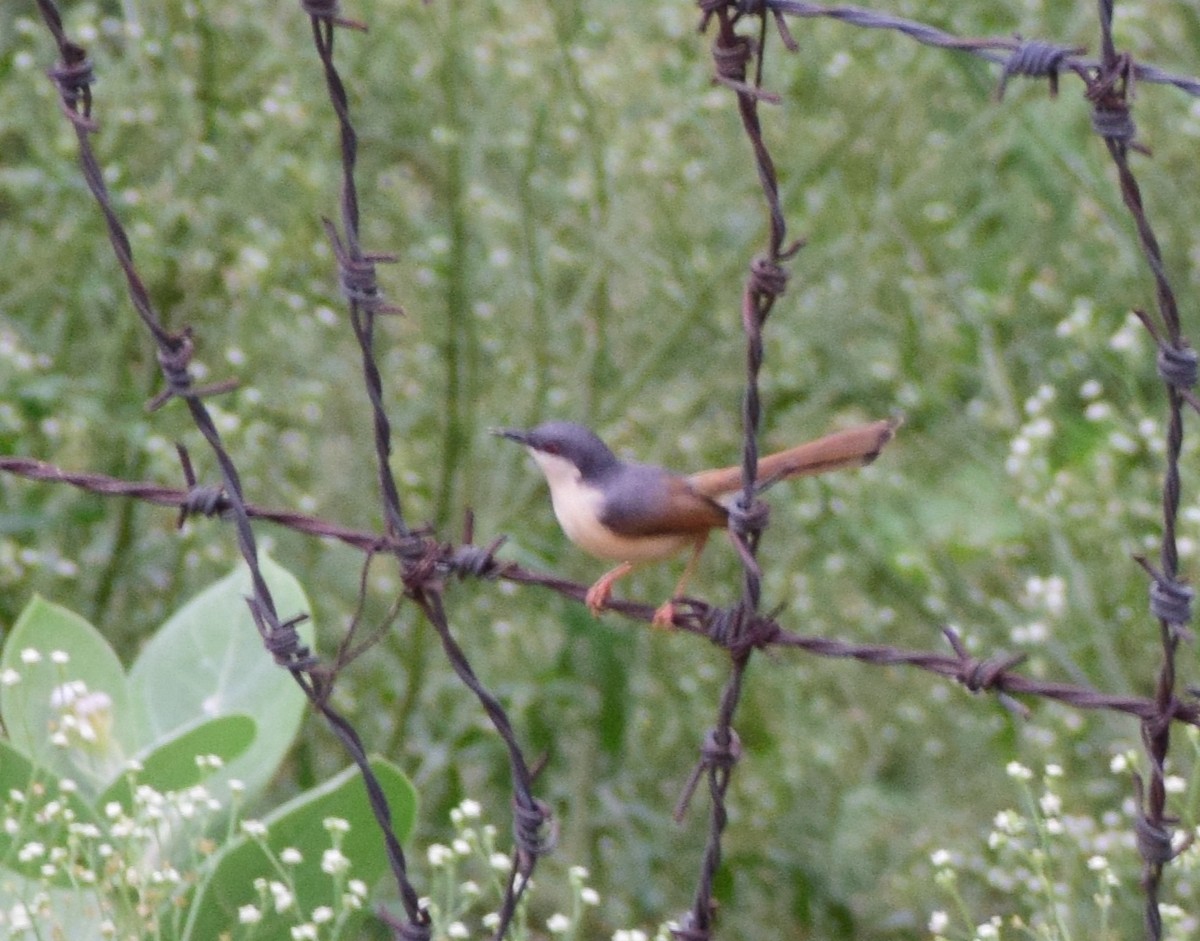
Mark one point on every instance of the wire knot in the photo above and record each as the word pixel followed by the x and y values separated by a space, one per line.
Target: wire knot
pixel 732 57
pixel 767 277
pixel 1171 602
pixel 202 500
pixel 1178 366
pixel 1114 123
pixel 747 521
pixel 477 561
pixel 739 629
pixel 356 275
pixel 1036 59
pixel 714 755
pixel 175 360
pixel 73 76
pixel 1155 838
pixel 534 828
pixel 1109 93
pixel 281 639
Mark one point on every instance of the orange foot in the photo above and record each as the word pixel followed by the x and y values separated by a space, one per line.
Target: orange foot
pixel 664 616
pixel 597 596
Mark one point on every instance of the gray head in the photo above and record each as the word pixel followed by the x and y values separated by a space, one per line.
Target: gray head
pixel 568 441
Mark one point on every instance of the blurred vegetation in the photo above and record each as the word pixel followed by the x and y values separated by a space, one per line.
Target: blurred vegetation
pixel 574 205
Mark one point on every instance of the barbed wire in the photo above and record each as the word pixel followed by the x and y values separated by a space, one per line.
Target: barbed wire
pixel 741 629
pixel 72 76
pixel 446 560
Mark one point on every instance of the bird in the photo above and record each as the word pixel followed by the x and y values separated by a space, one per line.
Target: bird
pixel 633 513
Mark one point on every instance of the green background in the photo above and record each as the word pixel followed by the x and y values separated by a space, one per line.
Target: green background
pixel 574 207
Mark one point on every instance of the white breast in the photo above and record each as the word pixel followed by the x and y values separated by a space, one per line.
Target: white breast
pixel 577 507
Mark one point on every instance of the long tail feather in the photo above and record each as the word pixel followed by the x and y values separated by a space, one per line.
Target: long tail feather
pixel 853 447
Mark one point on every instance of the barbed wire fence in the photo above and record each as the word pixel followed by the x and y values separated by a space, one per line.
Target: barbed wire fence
pixel 428 564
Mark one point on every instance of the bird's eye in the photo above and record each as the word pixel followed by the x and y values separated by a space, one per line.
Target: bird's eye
pixel 551 447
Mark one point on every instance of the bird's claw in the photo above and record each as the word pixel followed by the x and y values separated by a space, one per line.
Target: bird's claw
pixel 664 616
pixel 597 597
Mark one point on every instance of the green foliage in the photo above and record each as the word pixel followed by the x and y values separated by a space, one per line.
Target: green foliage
pixel 339 808
pixel 574 206
pixel 110 813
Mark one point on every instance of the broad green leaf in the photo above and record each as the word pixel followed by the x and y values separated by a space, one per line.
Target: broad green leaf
pixel 208 660
pixel 172 766
pixel 25 790
pixel 86 699
pixel 300 824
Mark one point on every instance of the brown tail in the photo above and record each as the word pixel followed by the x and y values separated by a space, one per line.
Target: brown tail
pixel 853 447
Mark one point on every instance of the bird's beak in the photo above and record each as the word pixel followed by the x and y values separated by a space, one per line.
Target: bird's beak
pixel 512 434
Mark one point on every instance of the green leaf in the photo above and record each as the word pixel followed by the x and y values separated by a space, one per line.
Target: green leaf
pixel 300 824
pixel 38 787
pixel 208 660
pixel 89 690
pixel 171 765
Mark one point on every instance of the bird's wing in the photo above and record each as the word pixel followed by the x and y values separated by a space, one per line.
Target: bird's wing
pixel 649 501
pixel 850 448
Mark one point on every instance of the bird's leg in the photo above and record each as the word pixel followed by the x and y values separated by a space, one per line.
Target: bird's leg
pixel 597 596
pixel 664 616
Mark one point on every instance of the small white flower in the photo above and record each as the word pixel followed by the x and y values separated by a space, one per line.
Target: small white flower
pixel 940 858
pixel 30 655
pixel 30 851
pixel 357 887
pixel 462 847
pixel 290 856
pixel 1051 804
pixel 578 873
pixel 333 862
pixel 589 896
pixel 336 825
pixel 1017 771
pixel 249 915
pixel 1174 784
pixel 456 929
pixel 438 855
pixel 470 809
pixel 499 861
pixel 939 921
pixel 305 932
pixel 18 918
pixel 282 896
pixel 60 657
pixel 322 914
pixel 558 923
pixel 491 920
pixel 9 677
pixel 1097 863
pixel 254 828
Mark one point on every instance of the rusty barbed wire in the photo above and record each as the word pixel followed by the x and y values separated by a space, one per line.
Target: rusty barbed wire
pixel 762 632
pixel 72 76
pixel 739 629
pixel 1032 58
pixel 533 826
pixel 1108 87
